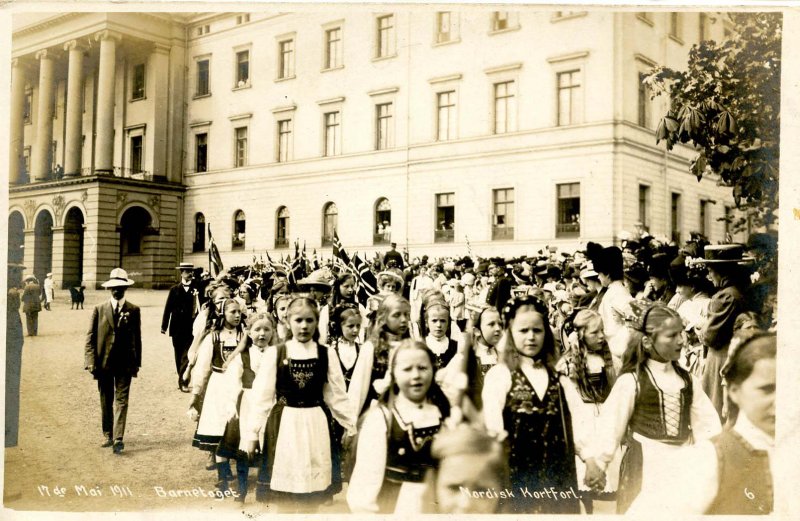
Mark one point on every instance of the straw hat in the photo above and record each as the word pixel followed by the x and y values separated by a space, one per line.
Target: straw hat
pixel 118 277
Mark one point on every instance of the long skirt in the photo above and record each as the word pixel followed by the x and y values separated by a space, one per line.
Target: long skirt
pixel 214 417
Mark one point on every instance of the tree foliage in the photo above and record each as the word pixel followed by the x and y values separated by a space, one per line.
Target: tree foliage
pixel 727 105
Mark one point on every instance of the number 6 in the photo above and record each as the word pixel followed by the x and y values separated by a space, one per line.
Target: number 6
pixel 749 494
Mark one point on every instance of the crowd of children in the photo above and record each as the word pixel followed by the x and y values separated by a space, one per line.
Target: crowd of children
pixel 523 386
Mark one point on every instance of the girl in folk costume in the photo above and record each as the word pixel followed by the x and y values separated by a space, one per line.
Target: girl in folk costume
pixel 734 472
pixel 654 408
pixel 437 333
pixel 391 326
pixel 279 310
pixel 261 335
pixel 343 292
pixel 390 282
pixel 522 396
pixel 297 387
pixel 345 327
pixel 393 453
pixel 589 369
pixel 221 388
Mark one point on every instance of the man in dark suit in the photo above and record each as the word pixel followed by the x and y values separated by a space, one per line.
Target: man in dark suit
pixel 500 290
pixel 114 355
pixel 393 255
pixel 179 313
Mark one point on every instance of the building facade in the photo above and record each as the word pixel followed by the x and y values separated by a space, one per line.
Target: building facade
pixel 447 132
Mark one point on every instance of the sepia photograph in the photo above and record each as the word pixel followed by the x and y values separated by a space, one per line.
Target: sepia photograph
pixel 308 258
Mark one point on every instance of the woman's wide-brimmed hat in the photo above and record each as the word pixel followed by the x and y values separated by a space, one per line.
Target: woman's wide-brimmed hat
pixel 119 277
pixel 317 279
pixel 724 254
pixel 185 266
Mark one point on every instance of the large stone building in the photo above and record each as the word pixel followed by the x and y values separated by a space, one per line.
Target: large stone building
pixel 447 132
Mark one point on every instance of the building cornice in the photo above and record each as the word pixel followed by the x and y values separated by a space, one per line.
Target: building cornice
pixel 47 23
pixel 66 183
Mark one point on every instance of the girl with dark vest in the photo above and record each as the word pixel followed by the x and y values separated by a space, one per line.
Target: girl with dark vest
pixel 733 473
pixel 298 387
pixel 523 397
pixel 655 408
pixel 217 388
pixel 394 447
pixel 260 336
pixel 437 333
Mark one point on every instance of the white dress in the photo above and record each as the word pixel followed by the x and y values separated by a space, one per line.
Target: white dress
pixel 302 457
pixel 660 467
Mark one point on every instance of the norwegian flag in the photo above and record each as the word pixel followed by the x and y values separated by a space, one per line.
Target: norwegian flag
pixel 214 258
pixel 339 255
pixel 367 283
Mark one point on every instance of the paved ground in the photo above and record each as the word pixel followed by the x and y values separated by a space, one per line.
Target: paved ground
pixel 60 434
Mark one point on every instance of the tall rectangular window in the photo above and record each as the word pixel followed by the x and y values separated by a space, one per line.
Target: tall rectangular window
pixel 26 160
pixel 675 25
pixel 286 59
pixel 500 20
pixel 505 107
pixel 503 214
pixel 27 108
pixel 644 206
pixel 701 23
pixel 643 113
pixel 202 78
pixel 568 217
pixel 284 140
pixel 137 89
pixel 201 152
pixel 136 154
pixel 242 68
pixel 445 217
pixel 333 48
pixel 444 27
pixel 386 36
pixel 446 115
pixel 675 218
pixel 241 147
pixel 705 214
pixel 383 126
pixel 569 97
pixel 333 133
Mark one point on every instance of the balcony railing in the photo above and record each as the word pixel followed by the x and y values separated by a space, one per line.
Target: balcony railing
pixel 381 238
pixel 281 242
pixel 327 241
pixel 505 233
pixel 444 235
pixel 119 171
pixel 568 229
pixel 237 243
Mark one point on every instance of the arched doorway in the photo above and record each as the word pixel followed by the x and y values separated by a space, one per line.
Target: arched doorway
pixel 73 248
pixel 43 245
pixel 135 225
pixel 16 238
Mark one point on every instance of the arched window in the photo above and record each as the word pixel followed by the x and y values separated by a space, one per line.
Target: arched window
pixel 282 227
pixel 330 216
pixel 382 232
pixel 199 243
pixel 238 230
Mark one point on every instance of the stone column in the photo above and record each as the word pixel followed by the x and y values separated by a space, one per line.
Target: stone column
pixel 41 159
pixel 72 143
pixel 58 256
pixel 104 144
pixel 17 125
pixel 159 72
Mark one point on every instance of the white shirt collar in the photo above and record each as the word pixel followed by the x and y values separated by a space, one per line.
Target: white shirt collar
pixel 437 346
pixel 759 439
pixel 117 303
pixel 417 414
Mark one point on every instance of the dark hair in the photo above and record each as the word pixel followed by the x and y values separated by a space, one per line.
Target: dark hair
pixel 338 316
pixel 335 297
pixel 548 352
pixel 754 346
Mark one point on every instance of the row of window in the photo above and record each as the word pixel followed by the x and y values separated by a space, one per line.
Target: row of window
pixel 503 218
pixel 504 111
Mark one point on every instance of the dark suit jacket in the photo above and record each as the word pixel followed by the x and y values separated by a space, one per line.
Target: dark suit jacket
pixel 179 311
pixel 123 340
pixel 499 293
pixel 31 298
pixel 726 304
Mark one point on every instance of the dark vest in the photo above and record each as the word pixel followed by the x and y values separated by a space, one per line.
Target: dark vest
pixel 299 382
pixel 745 480
pixel 409 451
pixel 648 414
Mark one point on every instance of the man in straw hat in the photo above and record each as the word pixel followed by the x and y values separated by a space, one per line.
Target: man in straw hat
pixel 114 355
pixel 32 304
pixel 179 313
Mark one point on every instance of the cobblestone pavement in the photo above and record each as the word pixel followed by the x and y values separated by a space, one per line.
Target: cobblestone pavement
pixel 59 464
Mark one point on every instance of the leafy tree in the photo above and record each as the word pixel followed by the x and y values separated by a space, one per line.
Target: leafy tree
pixel 727 104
